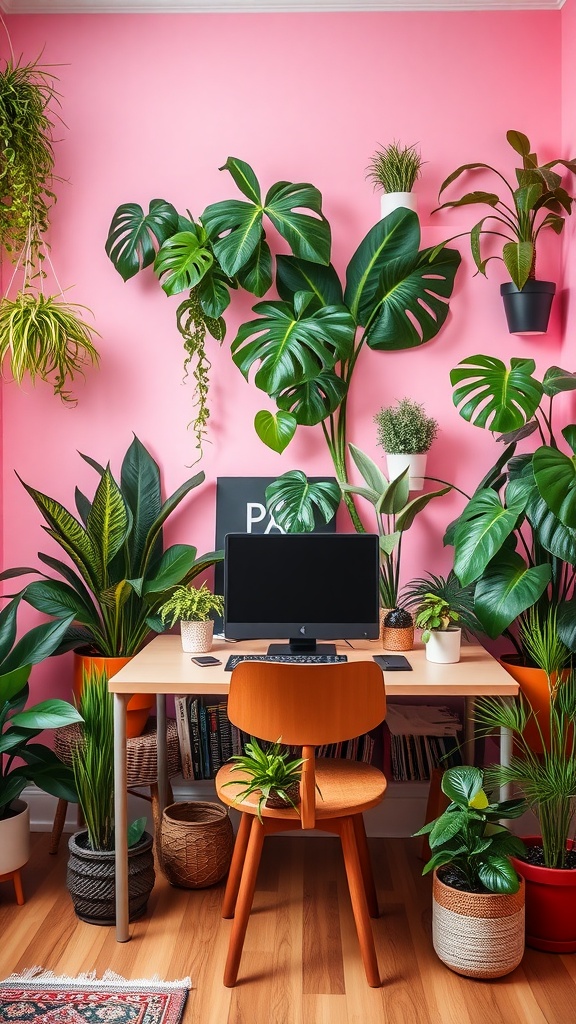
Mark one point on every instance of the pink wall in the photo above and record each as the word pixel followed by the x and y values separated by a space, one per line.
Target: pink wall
pixel 153 105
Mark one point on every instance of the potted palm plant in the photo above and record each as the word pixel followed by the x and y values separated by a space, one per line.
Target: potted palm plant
pixel 25 761
pixel 120 571
pixel 478 896
pixel 191 607
pixel 535 200
pixel 406 433
pixel 546 775
pixel 91 866
pixel 446 588
pixel 394 170
pixel 269 772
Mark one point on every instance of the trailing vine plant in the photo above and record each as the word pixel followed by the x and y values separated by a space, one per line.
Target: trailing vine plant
pixel 193 325
pixel 40 335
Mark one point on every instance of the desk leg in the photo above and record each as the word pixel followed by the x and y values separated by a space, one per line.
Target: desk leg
pixel 469 731
pixel 505 757
pixel 121 817
pixel 162 752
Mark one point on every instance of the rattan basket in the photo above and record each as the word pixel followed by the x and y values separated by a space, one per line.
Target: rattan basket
pixel 141 751
pixel 196 840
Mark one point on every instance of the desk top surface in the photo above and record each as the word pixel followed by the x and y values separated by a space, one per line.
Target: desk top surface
pixel 163 667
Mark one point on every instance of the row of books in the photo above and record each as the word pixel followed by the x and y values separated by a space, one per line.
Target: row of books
pixel 412 758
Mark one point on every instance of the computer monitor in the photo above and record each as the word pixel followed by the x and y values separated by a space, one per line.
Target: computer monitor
pixel 303 586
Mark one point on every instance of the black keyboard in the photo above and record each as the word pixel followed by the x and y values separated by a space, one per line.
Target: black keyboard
pixel 287 659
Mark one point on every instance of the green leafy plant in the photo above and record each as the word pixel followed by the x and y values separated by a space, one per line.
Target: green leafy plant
pixel 447 589
pixel 405 428
pixel 395 168
pixel 93 765
pixel 269 772
pixel 192 604
pixel 535 200
pixel 120 571
pixel 514 542
pixel 469 838
pixel 302 347
pixel 22 760
pixel 394 514
pixel 434 613
pixel 547 778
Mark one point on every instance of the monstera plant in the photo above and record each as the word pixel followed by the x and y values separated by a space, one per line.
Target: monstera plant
pixel 515 540
pixel 303 346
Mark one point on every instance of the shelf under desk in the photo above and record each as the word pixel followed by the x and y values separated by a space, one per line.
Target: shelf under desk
pixel 163 668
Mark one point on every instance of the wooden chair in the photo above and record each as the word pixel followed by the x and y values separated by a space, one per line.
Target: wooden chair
pixel 307 705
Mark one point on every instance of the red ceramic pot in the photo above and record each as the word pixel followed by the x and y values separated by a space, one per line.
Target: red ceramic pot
pixel 550 904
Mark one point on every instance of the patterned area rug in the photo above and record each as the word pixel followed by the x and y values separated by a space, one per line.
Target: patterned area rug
pixel 39 995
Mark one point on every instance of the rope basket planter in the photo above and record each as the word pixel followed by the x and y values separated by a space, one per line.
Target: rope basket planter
pixel 479 935
pixel 196 842
pixel 141 751
pixel 91 879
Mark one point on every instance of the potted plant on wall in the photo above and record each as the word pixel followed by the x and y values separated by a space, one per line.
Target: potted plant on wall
pixel 120 571
pixel 25 761
pixel 406 433
pixel 442 636
pixel 547 778
pixel 478 897
pixel 394 170
pixel 191 607
pixel 535 200
pixel 91 866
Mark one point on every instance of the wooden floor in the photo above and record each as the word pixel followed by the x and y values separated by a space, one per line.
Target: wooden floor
pixel 301 963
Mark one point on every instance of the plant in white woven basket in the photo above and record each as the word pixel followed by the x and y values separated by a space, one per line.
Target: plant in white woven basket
pixel 468 841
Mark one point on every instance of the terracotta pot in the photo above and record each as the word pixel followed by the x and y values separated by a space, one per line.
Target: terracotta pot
pixel 534 685
pixel 139 706
pixel 196 636
pixel 393 638
pixel 15 838
pixel 550 904
pixel 479 935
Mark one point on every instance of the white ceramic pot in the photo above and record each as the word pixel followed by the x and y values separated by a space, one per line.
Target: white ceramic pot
pixel 15 838
pixel 196 636
pixel 443 646
pixel 415 463
pixel 390 201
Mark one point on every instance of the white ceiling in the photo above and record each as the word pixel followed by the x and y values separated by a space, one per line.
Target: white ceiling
pixel 254 6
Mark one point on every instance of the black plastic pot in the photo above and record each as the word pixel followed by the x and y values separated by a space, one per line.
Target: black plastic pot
pixel 528 309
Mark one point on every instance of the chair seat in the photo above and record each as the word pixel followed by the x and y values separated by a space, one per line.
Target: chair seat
pixel 344 786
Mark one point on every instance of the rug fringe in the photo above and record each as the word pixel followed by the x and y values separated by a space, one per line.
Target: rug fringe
pixel 39 977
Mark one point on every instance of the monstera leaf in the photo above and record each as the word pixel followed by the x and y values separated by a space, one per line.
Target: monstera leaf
pixel 482 529
pixel 314 400
pixel 555 475
pixel 235 227
pixel 291 344
pixel 294 501
pixel 294 275
pixel 490 395
pixel 134 237
pixel 182 262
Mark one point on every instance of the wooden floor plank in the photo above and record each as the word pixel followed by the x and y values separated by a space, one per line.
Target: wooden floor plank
pixel 302 962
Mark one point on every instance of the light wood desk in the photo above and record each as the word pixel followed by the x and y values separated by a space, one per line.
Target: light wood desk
pixel 162 667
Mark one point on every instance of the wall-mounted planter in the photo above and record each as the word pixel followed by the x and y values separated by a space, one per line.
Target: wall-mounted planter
pixel 416 463
pixel 390 201
pixel 528 309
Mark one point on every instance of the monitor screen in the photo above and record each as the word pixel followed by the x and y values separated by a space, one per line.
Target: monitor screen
pixel 303 586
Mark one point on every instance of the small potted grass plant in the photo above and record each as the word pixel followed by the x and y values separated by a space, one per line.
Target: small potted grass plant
pixel 191 607
pixel 478 897
pixel 91 867
pixel 270 772
pixel 393 170
pixel 406 433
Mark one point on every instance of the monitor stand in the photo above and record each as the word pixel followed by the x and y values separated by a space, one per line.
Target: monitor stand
pixel 297 646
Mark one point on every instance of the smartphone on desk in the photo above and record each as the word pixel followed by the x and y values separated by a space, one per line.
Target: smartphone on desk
pixel 206 661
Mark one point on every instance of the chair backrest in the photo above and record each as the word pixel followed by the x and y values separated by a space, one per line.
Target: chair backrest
pixel 307 705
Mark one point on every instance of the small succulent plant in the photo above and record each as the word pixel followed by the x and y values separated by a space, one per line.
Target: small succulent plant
pixel 398 618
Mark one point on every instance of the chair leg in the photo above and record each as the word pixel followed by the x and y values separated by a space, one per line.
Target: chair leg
pixel 365 865
pixel 19 891
pixel 244 902
pixel 359 901
pixel 58 826
pixel 236 866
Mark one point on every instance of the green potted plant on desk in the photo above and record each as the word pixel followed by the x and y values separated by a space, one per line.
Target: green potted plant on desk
pixel 440 632
pixel 92 863
pixel 24 761
pixel 191 607
pixel 535 200
pixel 120 571
pixel 406 433
pixel 478 896
pixel 545 773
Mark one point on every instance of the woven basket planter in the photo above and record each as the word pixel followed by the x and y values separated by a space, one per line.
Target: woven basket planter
pixel 196 840
pixel 276 801
pixel 196 636
pixel 397 639
pixel 91 879
pixel 479 935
